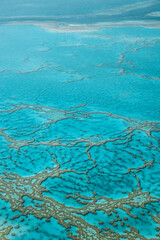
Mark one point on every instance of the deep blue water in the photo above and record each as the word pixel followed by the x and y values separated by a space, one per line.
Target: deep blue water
pixel 79 121
pixel 61 7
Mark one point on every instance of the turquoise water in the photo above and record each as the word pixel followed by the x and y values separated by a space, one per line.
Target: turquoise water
pixel 79 127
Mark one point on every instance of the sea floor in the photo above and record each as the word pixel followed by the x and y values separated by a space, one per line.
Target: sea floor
pixel 79 133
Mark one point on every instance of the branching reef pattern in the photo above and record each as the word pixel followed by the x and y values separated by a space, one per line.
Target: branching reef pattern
pixel 91 157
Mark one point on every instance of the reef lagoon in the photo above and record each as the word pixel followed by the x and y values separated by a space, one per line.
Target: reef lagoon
pixel 79 120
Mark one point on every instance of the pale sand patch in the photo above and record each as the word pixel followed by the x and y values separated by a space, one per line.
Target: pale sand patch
pixel 154 14
pixel 69 28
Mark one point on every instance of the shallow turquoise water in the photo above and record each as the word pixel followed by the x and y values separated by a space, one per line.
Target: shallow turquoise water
pixel 79 133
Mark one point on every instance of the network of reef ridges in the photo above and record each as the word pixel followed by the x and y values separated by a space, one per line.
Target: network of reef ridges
pixel 14 187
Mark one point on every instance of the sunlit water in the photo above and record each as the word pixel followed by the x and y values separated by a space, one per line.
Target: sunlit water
pixel 79 125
